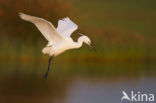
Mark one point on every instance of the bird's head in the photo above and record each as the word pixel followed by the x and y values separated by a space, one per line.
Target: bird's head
pixel 87 41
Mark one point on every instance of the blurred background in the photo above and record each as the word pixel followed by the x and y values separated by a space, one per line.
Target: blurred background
pixel 124 33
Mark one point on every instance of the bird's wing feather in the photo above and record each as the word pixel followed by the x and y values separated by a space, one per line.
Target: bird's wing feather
pixel 66 27
pixel 44 26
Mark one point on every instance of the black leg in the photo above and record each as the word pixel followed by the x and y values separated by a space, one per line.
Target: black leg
pixel 46 74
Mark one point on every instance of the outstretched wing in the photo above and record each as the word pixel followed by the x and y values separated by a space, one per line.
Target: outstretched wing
pixel 66 27
pixel 44 26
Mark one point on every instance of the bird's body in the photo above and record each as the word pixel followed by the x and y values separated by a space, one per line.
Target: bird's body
pixel 59 39
pixel 58 48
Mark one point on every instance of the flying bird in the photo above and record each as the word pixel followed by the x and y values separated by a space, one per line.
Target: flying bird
pixel 59 39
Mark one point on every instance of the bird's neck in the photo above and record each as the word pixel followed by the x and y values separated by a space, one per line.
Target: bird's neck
pixel 79 43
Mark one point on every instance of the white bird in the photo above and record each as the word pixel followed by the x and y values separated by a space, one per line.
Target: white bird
pixel 59 39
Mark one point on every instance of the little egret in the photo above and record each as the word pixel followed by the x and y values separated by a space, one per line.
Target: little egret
pixel 59 39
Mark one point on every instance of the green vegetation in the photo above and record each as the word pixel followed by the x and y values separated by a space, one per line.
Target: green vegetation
pixel 120 30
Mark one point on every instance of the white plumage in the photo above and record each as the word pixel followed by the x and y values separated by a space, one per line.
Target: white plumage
pixel 45 27
pixel 66 27
pixel 59 39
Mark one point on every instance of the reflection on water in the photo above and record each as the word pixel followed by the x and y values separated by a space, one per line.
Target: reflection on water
pixel 73 82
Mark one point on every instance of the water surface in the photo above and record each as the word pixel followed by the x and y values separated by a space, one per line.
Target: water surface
pixel 74 82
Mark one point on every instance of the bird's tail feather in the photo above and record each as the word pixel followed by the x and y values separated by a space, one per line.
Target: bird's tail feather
pixel 46 50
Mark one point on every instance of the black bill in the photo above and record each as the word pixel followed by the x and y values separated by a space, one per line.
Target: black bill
pixel 92 47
